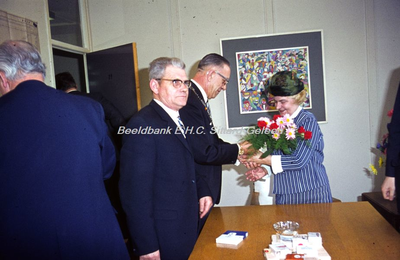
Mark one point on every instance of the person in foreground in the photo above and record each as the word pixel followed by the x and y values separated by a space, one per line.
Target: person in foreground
pixel 158 184
pixel 209 150
pixel 391 184
pixel 299 177
pixel 113 119
pixel 54 156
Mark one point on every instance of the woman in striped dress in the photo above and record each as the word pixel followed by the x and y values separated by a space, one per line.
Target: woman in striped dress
pixel 300 177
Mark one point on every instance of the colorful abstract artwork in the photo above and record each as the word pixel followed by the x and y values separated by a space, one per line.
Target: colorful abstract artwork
pixel 255 68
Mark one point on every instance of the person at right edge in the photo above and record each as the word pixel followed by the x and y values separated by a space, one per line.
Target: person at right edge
pixel 300 177
pixel 210 152
pixel 392 180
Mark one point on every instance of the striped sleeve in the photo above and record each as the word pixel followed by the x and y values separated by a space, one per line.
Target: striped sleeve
pixel 303 169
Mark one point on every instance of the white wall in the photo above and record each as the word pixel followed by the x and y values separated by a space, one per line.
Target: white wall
pixel 35 10
pixel 361 51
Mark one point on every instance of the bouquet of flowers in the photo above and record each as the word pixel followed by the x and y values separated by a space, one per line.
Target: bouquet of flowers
pixel 280 133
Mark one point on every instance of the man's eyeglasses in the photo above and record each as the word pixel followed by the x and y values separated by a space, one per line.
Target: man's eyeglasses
pixel 177 83
pixel 226 80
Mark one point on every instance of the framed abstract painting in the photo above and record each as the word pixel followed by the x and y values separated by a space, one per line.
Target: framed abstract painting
pixel 254 60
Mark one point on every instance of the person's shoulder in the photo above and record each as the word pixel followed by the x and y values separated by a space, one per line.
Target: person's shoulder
pixel 144 112
pixel 193 105
pixel 82 102
pixel 143 115
pixel 305 115
pixel 80 98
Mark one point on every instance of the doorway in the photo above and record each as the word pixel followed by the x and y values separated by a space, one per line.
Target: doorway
pixel 73 63
pixel 111 72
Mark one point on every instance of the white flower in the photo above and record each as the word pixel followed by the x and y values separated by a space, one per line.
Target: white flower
pixel 287 120
pixel 276 135
pixel 280 122
pixel 290 133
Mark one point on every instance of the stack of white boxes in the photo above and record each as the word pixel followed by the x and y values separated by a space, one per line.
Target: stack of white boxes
pixel 300 246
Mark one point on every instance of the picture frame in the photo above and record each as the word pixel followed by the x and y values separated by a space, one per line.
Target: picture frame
pixel 255 59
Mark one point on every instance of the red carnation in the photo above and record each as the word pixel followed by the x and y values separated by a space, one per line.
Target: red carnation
pixel 307 135
pixel 273 126
pixel 390 113
pixel 262 124
pixel 276 117
pixel 301 130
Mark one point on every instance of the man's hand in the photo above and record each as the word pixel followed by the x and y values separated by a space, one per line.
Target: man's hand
pixel 255 160
pixel 245 148
pixel 256 173
pixel 388 188
pixel 205 204
pixel 152 256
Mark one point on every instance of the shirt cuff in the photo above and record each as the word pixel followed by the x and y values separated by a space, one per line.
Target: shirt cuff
pixel 268 168
pixel 237 163
pixel 276 164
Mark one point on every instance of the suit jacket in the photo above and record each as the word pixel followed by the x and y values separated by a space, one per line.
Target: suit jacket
pixel 393 149
pixel 54 156
pixel 111 113
pixel 114 118
pixel 303 170
pixel 158 185
pixel 209 150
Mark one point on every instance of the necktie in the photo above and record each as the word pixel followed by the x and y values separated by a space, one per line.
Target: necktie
pixel 208 108
pixel 182 126
pixel 180 122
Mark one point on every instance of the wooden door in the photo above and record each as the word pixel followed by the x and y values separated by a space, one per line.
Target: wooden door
pixel 114 73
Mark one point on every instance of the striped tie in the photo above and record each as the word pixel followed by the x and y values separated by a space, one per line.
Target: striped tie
pixel 181 123
pixel 208 109
pixel 182 126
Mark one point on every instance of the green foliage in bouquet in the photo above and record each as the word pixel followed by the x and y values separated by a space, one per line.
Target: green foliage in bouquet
pixel 277 134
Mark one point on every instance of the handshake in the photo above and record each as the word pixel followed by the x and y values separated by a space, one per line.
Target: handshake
pixel 251 158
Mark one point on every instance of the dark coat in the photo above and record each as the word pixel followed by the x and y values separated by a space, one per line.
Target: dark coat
pixel 113 116
pixel 54 157
pixel 210 152
pixel 158 186
pixel 393 149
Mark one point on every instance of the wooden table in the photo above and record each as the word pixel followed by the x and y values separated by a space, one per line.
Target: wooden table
pixel 387 208
pixel 349 230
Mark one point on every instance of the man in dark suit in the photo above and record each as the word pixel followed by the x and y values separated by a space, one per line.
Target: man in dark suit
pixel 209 150
pixel 391 183
pixel 114 119
pixel 158 183
pixel 54 156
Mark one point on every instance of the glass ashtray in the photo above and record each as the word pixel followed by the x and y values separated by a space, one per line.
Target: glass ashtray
pixel 286 228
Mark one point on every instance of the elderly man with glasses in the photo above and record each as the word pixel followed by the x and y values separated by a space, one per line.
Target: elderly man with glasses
pixel 158 185
pixel 209 150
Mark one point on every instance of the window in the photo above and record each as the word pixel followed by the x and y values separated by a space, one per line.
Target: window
pixel 66 22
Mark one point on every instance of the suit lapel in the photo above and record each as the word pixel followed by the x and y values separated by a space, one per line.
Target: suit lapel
pixel 169 122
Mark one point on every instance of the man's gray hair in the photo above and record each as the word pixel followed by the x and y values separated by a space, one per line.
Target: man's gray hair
pixel 158 66
pixel 18 58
